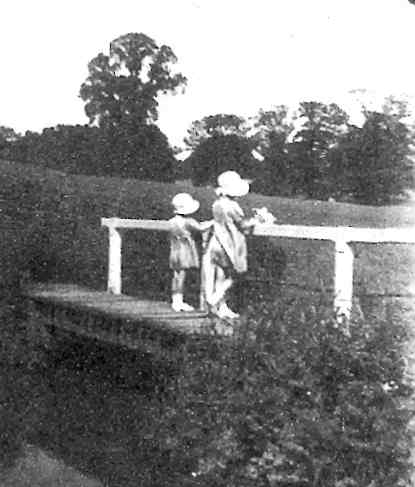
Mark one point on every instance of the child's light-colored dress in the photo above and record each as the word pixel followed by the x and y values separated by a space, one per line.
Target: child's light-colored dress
pixel 183 249
pixel 227 246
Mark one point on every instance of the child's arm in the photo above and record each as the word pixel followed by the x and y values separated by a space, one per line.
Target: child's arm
pixel 201 226
pixel 245 225
pixel 206 225
pixel 248 225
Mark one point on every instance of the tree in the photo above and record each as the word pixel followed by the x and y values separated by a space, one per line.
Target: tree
pixel 121 94
pixel 7 137
pixel 321 125
pixel 220 142
pixel 219 124
pixel 271 131
pixel 143 154
pixel 221 153
pixel 122 87
pixel 375 166
pixel 81 149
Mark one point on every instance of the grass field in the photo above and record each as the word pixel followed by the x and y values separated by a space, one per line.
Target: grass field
pixel 51 228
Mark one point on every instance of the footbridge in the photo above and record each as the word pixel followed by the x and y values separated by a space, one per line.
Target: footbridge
pixel 112 317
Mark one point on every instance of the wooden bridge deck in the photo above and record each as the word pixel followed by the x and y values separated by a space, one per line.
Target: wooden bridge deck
pixel 117 319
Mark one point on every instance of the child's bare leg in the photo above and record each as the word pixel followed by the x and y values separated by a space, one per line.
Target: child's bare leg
pixel 209 270
pixel 178 280
pixel 177 283
pixel 222 284
pixel 225 283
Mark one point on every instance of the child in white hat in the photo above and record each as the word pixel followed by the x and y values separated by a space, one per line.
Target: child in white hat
pixel 226 251
pixel 183 250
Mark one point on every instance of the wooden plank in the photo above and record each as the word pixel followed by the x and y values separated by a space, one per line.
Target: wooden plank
pixel 159 313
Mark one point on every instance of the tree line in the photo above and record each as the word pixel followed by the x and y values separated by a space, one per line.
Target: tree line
pixel 314 152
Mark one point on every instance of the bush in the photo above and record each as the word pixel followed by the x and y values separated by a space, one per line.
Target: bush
pixel 295 401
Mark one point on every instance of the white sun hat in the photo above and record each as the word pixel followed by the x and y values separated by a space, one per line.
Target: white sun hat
pixel 184 204
pixel 231 184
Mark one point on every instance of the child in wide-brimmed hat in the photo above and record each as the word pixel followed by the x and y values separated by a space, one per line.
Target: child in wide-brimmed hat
pixel 183 250
pixel 226 251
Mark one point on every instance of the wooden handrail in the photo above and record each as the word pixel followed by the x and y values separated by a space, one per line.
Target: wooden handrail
pixel 307 232
pixel 340 236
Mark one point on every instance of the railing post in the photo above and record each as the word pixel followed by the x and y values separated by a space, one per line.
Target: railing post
pixel 343 278
pixel 203 269
pixel 202 294
pixel 114 261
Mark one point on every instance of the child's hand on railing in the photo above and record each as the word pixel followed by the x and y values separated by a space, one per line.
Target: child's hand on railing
pixel 264 216
pixel 206 225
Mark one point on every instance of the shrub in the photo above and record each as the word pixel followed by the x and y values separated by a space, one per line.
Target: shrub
pixel 295 401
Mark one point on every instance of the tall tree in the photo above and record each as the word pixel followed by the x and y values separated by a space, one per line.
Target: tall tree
pixel 376 166
pixel 321 125
pixel 121 97
pixel 123 86
pixel 270 133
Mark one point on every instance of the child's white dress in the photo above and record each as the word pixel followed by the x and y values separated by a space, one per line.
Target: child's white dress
pixel 227 246
pixel 183 250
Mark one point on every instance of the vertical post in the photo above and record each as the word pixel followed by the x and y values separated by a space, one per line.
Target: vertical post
pixel 114 261
pixel 343 278
pixel 202 295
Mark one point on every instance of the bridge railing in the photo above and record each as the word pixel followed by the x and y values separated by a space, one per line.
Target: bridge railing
pixel 341 237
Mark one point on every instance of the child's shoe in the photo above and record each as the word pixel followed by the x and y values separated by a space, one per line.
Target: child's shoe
pixel 177 301
pixel 178 304
pixel 186 307
pixel 225 312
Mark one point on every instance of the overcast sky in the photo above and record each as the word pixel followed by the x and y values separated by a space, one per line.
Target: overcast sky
pixel 238 55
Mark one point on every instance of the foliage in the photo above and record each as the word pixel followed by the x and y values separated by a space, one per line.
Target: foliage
pixel 121 101
pixel 220 153
pixel 321 125
pixel 271 132
pixel 220 142
pixel 7 134
pixel 144 154
pixel 118 151
pixel 237 415
pixel 219 124
pixel 315 153
pixel 373 162
pixel 7 137
pixel 122 87
pixel 295 401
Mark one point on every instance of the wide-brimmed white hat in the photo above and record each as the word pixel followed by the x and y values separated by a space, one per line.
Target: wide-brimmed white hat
pixel 184 204
pixel 231 184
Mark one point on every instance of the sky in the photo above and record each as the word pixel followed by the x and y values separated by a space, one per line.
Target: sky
pixel 238 56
